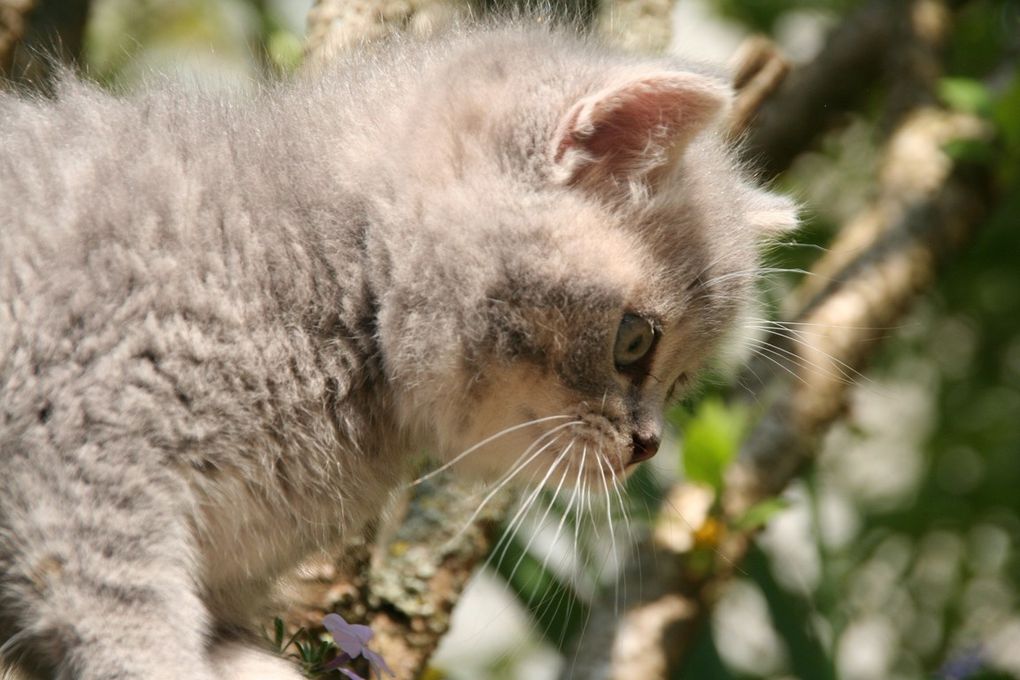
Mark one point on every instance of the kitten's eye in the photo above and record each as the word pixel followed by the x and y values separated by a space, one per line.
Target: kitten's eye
pixel 634 339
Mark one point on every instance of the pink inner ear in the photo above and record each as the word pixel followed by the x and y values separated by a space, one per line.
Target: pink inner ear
pixel 625 129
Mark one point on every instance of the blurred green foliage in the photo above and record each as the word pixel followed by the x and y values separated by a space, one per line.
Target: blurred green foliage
pixel 712 434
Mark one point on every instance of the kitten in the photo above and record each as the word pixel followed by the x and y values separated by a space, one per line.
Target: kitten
pixel 227 323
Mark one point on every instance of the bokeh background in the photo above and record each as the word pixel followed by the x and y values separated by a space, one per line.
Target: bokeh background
pixel 895 556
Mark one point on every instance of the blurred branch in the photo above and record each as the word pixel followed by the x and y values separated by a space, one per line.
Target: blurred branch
pixel 638 25
pixel 918 167
pixel 759 70
pixel 53 34
pixel 873 290
pixel 13 14
pixel 817 92
pixel 338 25
pixel 898 42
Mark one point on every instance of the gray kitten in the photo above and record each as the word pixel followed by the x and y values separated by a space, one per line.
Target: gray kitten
pixel 227 323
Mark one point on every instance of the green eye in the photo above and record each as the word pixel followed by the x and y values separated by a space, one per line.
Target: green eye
pixel 634 339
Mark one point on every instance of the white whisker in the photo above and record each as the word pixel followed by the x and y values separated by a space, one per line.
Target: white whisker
pixel 545 516
pixel 802 362
pixel 612 534
pixel 847 371
pixel 509 477
pixel 626 520
pixel 518 517
pixel 760 351
pixel 482 443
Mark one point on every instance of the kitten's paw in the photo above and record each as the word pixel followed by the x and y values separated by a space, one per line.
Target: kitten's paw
pixel 234 661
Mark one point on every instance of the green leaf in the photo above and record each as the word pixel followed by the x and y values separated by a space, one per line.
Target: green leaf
pixel 1007 116
pixel 711 438
pixel 970 151
pixel 965 94
pixel 760 513
pixel 285 49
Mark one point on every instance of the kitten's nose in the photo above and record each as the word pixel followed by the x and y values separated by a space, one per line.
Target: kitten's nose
pixel 644 448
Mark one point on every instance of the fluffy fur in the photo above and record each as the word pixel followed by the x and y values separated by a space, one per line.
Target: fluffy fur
pixel 228 321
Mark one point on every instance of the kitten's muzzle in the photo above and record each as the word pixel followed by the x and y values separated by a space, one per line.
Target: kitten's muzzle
pixel 643 448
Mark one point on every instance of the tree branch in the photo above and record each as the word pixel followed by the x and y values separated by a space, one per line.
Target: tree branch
pixel 13 22
pixel 50 32
pixel 338 25
pixel 637 25
pixel 407 586
pixel 815 95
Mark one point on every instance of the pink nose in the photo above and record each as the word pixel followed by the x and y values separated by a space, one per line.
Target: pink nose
pixel 644 448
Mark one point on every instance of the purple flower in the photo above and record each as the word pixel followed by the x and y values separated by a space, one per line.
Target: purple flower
pixel 352 640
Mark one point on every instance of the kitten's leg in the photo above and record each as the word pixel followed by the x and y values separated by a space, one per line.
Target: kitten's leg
pixel 235 661
pixel 98 579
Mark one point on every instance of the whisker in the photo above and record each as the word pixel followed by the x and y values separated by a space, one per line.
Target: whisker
pixel 850 372
pixel 482 443
pixel 612 534
pixel 760 351
pixel 802 362
pixel 518 517
pixel 759 272
pixel 809 324
pixel 556 536
pixel 518 465
pixel 545 515
pixel 507 478
pixel 591 513
pixel 630 529
pixel 795 244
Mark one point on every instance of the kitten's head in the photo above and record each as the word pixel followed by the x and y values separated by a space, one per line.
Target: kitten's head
pixel 579 242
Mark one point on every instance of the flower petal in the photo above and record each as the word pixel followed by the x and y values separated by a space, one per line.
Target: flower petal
pixel 350 674
pixel 346 638
pixel 378 663
pixel 363 633
pixel 338 661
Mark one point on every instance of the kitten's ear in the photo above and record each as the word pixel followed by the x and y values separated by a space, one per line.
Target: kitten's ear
pixel 620 134
pixel 772 214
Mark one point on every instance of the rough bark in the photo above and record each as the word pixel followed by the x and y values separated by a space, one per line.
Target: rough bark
pixel 407 584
